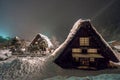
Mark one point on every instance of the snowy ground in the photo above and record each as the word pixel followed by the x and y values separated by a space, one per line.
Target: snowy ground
pixel 98 77
pixel 40 68
pixel 5 54
pixel 43 68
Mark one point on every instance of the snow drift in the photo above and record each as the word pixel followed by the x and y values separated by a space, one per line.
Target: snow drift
pixel 99 77
pixel 5 54
pixel 40 68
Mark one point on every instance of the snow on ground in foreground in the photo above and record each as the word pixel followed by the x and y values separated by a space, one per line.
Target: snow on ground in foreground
pixel 25 68
pixel 40 68
pixel 4 54
pixel 99 77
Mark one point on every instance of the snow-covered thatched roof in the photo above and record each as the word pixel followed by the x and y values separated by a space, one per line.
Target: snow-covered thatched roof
pixel 72 33
pixel 50 45
pixel 117 47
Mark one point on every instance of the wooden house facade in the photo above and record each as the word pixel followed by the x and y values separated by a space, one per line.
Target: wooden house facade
pixel 41 42
pixel 86 49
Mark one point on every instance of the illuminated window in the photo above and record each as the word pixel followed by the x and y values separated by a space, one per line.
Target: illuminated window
pixel 92 59
pixel 84 41
pixel 76 50
pixel 92 50
pixel 36 42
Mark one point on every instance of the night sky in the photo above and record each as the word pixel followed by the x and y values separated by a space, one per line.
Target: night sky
pixel 26 18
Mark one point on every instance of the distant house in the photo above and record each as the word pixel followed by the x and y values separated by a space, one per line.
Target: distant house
pixel 41 42
pixel 84 48
pixel 18 46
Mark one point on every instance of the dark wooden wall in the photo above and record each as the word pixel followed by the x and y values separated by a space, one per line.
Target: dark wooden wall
pixel 65 59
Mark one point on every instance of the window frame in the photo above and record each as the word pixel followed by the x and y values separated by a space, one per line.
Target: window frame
pixel 92 50
pixel 76 50
pixel 84 41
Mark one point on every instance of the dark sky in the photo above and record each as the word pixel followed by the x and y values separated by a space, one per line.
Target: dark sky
pixel 26 18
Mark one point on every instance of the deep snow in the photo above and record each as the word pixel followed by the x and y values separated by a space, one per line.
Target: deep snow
pixel 98 77
pixel 40 68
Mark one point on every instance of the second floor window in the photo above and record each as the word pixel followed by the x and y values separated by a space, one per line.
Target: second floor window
pixel 84 41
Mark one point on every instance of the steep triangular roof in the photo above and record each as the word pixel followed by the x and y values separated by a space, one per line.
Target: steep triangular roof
pixel 111 54
pixel 39 35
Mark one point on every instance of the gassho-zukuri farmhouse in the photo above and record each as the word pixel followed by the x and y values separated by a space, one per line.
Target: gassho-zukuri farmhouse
pixel 84 48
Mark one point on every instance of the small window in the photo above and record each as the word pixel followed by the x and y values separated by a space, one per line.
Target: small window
pixel 84 41
pixel 76 50
pixel 92 51
pixel 36 42
pixel 92 59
